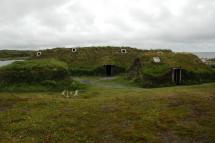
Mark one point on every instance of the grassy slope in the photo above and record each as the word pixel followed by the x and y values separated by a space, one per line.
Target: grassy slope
pixel 104 114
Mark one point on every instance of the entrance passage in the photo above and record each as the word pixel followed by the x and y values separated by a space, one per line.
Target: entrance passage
pixel 108 70
pixel 176 75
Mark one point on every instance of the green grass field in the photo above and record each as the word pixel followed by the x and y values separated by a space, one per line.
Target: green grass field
pixel 110 111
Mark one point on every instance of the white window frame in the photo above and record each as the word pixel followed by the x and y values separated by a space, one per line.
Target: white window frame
pixel 74 50
pixel 39 53
pixel 123 51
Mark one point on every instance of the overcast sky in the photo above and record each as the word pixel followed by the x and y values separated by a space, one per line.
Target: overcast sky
pixel 180 25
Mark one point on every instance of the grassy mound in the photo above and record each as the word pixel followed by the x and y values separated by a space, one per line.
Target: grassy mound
pixel 34 71
pixel 148 73
pixel 33 75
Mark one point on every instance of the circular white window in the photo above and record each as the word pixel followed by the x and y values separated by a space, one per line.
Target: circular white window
pixel 74 50
pixel 123 51
pixel 39 53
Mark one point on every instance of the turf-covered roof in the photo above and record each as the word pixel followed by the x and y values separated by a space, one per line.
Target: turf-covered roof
pixel 93 57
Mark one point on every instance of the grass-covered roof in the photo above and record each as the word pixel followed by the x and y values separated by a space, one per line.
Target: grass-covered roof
pixel 93 57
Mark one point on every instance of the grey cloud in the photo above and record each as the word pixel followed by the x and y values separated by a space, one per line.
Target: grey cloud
pixel 34 24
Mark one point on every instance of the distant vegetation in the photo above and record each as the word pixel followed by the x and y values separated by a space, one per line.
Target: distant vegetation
pixel 14 54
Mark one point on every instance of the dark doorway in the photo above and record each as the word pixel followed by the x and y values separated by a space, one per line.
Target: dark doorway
pixel 108 70
pixel 176 75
